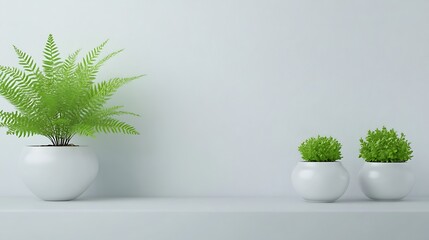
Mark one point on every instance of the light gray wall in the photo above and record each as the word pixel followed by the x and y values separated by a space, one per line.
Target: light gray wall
pixel 234 86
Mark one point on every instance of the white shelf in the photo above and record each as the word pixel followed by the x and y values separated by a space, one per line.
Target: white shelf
pixel 267 204
pixel 212 218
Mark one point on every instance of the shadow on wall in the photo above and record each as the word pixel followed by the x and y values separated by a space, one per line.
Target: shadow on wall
pixel 120 159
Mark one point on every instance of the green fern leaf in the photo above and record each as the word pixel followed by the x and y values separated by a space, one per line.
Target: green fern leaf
pixel 52 58
pixel 27 62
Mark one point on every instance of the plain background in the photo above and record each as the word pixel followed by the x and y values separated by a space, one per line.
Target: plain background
pixel 234 86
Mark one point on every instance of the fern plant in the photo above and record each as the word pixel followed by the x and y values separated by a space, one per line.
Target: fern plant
pixel 320 149
pixel 383 145
pixel 61 99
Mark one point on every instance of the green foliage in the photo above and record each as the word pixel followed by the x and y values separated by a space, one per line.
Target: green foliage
pixel 62 99
pixel 320 149
pixel 385 146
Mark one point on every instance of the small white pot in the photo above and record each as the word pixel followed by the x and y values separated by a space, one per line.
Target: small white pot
pixel 57 173
pixel 386 181
pixel 320 181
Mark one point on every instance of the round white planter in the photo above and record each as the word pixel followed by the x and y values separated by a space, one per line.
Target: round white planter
pixel 59 173
pixel 386 181
pixel 320 181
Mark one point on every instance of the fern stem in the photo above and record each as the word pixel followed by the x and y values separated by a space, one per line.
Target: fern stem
pixel 50 138
pixel 69 139
pixel 55 142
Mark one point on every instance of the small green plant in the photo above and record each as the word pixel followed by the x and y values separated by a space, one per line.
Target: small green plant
pixel 62 99
pixel 320 149
pixel 385 146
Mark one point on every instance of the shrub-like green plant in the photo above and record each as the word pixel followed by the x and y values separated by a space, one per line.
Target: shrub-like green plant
pixel 320 149
pixel 385 146
pixel 62 99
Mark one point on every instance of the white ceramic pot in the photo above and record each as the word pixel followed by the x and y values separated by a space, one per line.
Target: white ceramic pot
pixel 59 173
pixel 320 181
pixel 386 181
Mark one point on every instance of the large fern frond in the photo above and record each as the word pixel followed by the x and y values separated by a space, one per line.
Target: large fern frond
pixel 52 58
pixel 69 64
pixel 113 111
pixel 16 87
pixel 100 93
pixel 111 125
pixel 93 70
pixel 27 62
pixel 17 124
pixel 92 55
pixel 84 68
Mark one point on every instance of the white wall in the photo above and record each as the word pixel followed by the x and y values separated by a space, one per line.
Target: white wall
pixel 234 86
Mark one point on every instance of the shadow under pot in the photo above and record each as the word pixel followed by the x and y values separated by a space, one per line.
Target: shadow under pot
pixel 386 181
pixel 58 173
pixel 320 181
